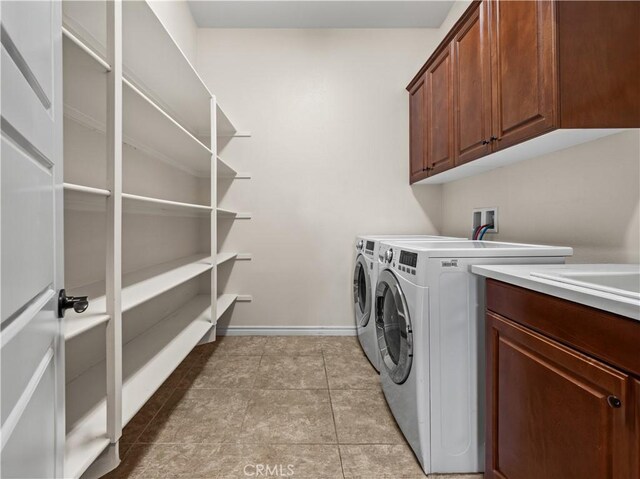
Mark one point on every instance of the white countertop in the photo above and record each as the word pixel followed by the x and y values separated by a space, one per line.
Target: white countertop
pixel 520 275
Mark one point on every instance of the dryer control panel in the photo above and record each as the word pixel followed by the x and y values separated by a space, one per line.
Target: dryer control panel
pixel 404 261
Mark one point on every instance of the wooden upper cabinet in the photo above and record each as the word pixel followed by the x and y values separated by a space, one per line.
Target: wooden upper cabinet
pixel 510 71
pixel 599 67
pixel 554 412
pixel 472 87
pixel 418 131
pixel 524 70
pixel 440 139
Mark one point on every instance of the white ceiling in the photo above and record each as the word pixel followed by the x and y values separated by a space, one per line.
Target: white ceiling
pixel 319 13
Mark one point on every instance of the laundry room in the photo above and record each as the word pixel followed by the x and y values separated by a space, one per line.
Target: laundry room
pixel 320 239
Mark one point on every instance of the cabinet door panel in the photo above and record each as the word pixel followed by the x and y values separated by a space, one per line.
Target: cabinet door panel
pixel 549 412
pixel 440 151
pixel 472 87
pixel 418 133
pixel 524 70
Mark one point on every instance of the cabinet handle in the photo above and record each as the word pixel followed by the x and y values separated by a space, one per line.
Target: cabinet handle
pixel 614 402
pixel 486 142
pixel 493 138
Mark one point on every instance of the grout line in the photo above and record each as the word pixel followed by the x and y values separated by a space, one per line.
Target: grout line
pixel 255 379
pixel 246 409
pixel 333 415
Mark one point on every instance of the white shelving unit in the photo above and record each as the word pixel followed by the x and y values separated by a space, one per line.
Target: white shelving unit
pixel 224 257
pixel 137 203
pixel 224 170
pixel 148 361
pixel 224 213
pixel 141 175
pixel 225 301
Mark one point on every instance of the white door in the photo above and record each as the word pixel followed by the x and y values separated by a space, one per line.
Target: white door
pixel 31 345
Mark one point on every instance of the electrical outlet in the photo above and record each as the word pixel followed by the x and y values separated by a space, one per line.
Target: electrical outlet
pixel 486 216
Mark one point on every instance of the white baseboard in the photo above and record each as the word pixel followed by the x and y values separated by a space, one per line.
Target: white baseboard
pixel 287 331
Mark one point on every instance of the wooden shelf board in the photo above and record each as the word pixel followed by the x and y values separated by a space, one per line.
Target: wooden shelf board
pixel 84 198
pixel 224 257
pixel 226 213
pixel 146 126
pixel 87 49
pixel 224 170
pixel 85 443
pixel 145 122
pixel 145 204
pixel 86 189
pixel 223 303
pixel 224 125
pixel 152 59
pixel 148 360
pixel 137 288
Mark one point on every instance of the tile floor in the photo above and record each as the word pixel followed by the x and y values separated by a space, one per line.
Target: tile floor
pixel 297 406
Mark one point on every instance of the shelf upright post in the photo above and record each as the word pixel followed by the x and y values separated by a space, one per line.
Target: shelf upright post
pixel 214 216
pixel 114 224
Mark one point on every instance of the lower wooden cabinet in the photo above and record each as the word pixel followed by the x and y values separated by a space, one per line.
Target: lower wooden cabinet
pixel 552 410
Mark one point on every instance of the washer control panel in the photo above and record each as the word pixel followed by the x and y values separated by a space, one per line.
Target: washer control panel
pixel 405 262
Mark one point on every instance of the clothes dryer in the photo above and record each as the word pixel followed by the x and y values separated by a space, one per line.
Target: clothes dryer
pixel 429 316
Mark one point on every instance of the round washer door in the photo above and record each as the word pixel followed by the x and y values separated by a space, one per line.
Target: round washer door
pixel 393 327
pixel 362 292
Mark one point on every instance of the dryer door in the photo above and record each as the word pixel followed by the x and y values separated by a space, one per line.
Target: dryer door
pixel 393 327
pixel 362 292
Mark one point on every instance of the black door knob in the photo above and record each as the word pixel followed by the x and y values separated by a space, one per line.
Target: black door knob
pixel 614 402
pixel 78 303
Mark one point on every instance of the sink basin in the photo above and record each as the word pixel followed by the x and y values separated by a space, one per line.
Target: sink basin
pixel 626 283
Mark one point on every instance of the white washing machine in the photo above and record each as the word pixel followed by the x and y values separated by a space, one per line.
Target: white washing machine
pixel 365 276
pixel 429 317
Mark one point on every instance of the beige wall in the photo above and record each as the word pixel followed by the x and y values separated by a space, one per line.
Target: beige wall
pixel 328 158
pixel 587 197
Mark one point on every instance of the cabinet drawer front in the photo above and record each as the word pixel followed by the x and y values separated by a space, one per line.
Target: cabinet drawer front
pixel 609 337
pixel 553 411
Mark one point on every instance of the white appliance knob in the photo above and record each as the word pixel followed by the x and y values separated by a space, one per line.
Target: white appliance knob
pixel 360 245
pixel 388 256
